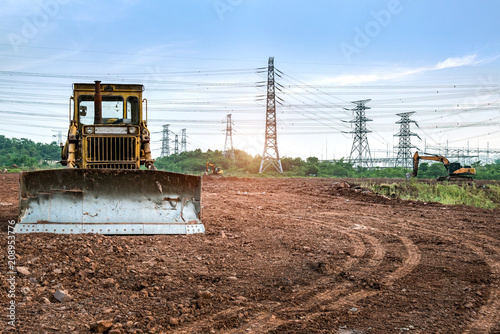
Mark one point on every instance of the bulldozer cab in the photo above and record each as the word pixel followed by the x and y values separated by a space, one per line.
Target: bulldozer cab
pixel 121 104
pixel 108 129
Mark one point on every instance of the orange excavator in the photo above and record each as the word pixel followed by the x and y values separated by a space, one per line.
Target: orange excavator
pixel 455 170
pixel 212 170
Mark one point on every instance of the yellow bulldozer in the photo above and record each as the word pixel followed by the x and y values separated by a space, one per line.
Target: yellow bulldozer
pixel 110 184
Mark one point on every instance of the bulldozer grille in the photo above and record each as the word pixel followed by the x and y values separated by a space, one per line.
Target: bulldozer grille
pixel 112 152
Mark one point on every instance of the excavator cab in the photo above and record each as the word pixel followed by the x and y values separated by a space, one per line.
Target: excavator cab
pixel 454 167
pixel 110 184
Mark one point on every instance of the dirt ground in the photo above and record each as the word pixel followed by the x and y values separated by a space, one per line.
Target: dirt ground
pixel 279 256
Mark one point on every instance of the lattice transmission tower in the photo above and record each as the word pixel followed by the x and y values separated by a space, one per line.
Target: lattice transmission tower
pixel 59 137
pixel 271 155
pixel 165 142
pixel 228 145
pixel 360 152
pixel 176 144
pixel 183 140
pixel 404 156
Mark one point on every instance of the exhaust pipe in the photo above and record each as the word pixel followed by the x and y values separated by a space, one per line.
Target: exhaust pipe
pixel 97 103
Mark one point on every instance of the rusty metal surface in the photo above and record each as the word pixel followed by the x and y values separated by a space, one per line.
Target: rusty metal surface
pixel 83 200
pixel 119 152
pixel 97 103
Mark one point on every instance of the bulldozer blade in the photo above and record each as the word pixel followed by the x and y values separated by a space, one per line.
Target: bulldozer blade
pixel 109 201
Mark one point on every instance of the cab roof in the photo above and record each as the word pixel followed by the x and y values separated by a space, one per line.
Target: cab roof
pixel 105 87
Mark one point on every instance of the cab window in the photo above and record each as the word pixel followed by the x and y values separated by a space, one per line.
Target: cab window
pixel 133 109
pixel 112 109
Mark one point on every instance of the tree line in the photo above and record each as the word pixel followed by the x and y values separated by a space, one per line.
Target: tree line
pixel 27 154
pixel 194 162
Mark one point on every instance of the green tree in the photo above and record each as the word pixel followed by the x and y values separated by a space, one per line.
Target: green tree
pixel 26 153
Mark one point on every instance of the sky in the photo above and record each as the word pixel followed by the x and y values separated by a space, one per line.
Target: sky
pixel 200 60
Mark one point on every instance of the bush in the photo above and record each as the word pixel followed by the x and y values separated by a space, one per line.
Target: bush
pixel 487 197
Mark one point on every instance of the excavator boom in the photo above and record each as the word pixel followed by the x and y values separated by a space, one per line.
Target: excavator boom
pixel 417 158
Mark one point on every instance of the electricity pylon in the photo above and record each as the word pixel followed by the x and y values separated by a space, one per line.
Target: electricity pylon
pixel 228 145
pixel 360 152
pixel 404 156
pixel 165 142
pixel 176 144
pixel 271 155
pixel 183 140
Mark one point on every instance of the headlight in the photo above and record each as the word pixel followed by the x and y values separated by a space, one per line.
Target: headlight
pixel 132 130
pixel 89 130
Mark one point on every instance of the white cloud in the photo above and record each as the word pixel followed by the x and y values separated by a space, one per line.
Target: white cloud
pixel 457 62
pixel 391 74
pixel 353 79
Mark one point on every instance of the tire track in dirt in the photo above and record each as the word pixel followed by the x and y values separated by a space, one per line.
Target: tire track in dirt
pixel 261 323
pixel 487 319
pixel 331 297
pixel 374 261
pixel 410 262
pixel 489 313
pixel 358 251
pixel 264 321
pixel 378 251
pixel 198 326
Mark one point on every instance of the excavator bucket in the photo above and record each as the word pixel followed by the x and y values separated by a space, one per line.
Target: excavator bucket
pixel 109 201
